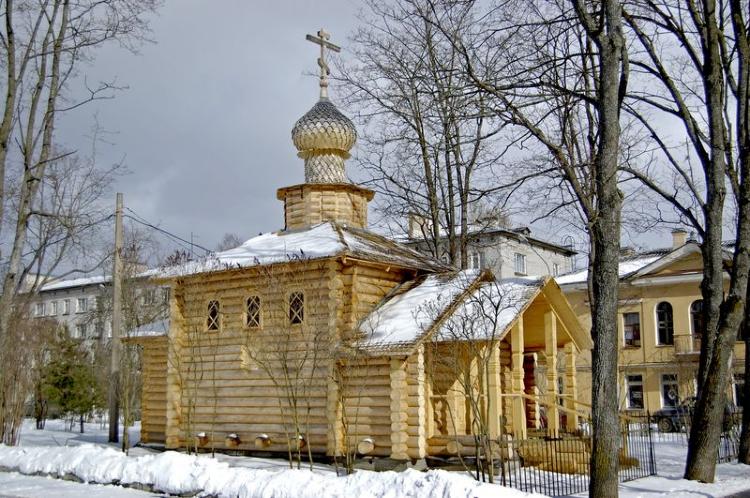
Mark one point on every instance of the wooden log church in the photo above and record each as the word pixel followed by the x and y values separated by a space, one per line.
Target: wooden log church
pixel 327 336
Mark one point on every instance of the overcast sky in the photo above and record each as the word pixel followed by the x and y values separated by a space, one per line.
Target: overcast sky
pixel 205 124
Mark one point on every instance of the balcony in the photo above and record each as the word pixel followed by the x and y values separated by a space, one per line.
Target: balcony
pixel 687 345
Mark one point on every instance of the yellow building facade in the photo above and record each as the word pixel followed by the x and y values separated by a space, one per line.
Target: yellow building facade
pixel 659 328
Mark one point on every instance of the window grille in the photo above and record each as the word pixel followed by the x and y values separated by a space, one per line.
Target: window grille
pixel 296 307
pixel 213 321
pixel 252 310
pixel 520 264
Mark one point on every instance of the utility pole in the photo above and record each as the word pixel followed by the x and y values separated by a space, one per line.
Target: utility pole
pixel 114 371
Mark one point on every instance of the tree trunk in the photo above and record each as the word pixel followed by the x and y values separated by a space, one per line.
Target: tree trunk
pixel 743 455
pixel 605 241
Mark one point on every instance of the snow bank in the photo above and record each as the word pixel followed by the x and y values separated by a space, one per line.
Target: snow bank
pixel 176 473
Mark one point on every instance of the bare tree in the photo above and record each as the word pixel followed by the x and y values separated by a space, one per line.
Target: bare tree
pixel 692 63
pixel 43 44
pixel 287 346
pixel 558 71
pixel 431 141
pixel 229 241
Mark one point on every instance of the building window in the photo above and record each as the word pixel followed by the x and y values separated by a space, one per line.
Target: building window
pixel 635 391
pixel 66 307
pixel 53 308
pixel 739 387
pixel 165 295
pixel 149 297
pixel 520 263
pixel 252 311
pixel 40 309
pixel 555 269
pixel 476 260
pixel 82 305
pixel 632 329
pixel 665 323
pixel 80 331
pixel 213 321
pixel 696 318
pixel 296 307
pixel 669 390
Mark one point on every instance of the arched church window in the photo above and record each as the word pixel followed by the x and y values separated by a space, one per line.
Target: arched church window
pixel 213 320
pixel 296 307
pixel 252 312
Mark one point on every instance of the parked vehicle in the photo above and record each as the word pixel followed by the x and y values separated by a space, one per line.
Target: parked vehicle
pixel 674 418
pixel 677 418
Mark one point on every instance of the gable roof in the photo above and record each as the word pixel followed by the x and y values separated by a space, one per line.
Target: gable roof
pixel 459 306
pixel 325 240
pixel 639 265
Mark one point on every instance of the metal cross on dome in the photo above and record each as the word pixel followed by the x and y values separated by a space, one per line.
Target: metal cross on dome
pixel 322 40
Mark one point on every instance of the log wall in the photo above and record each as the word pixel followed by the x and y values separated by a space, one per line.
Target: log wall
pixel 154 392
pixel 243 380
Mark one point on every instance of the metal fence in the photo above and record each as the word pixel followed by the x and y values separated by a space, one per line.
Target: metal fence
pixel 675 427
pixel 559 466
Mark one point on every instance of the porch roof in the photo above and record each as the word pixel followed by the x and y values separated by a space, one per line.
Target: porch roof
pixel 461 306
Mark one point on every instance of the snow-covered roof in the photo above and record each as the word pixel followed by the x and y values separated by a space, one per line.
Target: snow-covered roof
pixel 155 329
pixel 627 267
pixel 490 309
pixel 478 309
pixel 319 241
pixel 76 282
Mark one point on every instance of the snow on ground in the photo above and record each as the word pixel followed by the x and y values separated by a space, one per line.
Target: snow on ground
pixel 88 456
pixel 177 473
pixel 15 485
pixel 731 478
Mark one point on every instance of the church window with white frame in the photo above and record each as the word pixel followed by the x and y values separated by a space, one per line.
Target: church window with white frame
pixel 296 307
pixel 213 320
pixel 252 312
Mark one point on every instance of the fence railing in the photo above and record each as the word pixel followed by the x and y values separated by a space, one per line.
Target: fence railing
pixel 559 466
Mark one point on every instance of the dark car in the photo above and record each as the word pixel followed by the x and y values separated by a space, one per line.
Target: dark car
pixel 674 418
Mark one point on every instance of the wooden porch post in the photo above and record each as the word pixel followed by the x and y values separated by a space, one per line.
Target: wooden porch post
pixel 519 406
pixel 571 387
pixel 399 406
pixel 495 408
pixel 550 345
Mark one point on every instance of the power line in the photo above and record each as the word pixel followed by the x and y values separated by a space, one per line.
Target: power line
pixel 139 219
pixel 61 239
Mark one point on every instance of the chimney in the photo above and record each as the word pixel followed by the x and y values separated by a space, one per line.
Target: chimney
pixel 679 238
pixel 418 226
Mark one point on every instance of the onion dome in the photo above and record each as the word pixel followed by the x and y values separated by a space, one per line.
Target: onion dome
pixel 323 138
